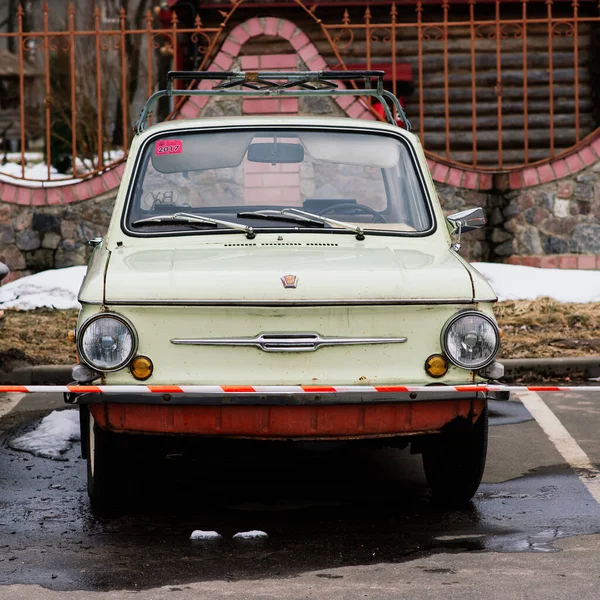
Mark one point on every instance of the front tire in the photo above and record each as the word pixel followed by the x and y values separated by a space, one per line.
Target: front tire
pixel 454 461
pixel 106 481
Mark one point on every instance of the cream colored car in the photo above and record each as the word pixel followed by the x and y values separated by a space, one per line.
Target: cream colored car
pixel 298 273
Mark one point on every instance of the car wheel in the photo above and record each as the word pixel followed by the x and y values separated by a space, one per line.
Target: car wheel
pixel 106 482
pixel 454 461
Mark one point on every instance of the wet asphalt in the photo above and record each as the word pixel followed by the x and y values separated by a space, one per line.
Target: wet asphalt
pixel 323 507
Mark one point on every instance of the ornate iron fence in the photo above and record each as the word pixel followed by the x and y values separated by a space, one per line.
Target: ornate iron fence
pixel 495 86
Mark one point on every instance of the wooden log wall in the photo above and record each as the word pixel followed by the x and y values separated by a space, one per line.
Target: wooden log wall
pixel 460 77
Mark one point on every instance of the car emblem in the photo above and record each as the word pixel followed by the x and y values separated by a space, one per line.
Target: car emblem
pixel 289 281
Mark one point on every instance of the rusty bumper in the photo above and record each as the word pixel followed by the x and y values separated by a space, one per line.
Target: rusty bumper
pixel 283 418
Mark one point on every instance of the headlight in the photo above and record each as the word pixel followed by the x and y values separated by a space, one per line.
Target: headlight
pixel 106 342
pixel 471 340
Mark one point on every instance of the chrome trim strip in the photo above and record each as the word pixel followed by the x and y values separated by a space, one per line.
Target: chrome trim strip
pixel 285 342
pixel 295 303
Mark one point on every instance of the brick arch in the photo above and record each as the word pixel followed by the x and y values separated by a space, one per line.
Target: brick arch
pixel 66 193
pixel 582 156
pixel 269 26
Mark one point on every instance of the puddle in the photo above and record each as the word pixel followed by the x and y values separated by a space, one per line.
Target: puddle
pixel 509 412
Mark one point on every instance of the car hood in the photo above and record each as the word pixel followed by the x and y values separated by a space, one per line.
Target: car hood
pixel 253 274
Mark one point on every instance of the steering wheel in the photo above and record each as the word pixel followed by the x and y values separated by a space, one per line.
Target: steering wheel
pixel 346 207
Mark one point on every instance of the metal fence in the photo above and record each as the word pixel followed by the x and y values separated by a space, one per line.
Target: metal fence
pixel 496 86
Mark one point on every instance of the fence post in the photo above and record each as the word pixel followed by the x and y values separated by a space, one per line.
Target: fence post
pixel 445 6
pixel 73 80
pixel 149 56
pixel 551 75
pixel 394 14
pixel 99 133
pixel 499 82
pixel 21 86
pixel 420 61
pixel 576 64
pixel 525 100
pixel 48 98
pixel 124 100
pixel 473 80
pixel 174 21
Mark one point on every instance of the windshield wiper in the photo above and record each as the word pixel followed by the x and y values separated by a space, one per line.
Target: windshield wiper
pixel 183 217
pixel 278 215
pixel 302 216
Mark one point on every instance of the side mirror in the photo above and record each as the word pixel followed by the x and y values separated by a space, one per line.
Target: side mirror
pixel 4 271
pixel 466 220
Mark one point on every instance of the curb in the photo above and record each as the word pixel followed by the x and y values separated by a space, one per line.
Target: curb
pixel 589 366
pixel 39 375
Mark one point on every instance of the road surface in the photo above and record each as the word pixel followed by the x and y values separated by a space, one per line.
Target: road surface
pixel 343 522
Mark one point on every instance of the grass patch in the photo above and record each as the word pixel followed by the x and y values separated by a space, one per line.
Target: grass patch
pixel 39 336
pixel 545 328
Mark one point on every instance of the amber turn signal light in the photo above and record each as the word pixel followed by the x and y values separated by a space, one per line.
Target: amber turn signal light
pixel 71 335
pixel 141 367
pixel 436 365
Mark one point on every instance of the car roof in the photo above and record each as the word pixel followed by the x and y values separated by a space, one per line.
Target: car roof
pixel 343 123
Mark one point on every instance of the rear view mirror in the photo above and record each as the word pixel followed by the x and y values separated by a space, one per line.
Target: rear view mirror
pixel 466 220
pixel 275 153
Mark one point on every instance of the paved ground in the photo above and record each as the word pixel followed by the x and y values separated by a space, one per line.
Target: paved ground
pixel 343 522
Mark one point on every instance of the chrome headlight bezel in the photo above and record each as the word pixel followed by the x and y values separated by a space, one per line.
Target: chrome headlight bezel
pixel 103 315
pixel 452 321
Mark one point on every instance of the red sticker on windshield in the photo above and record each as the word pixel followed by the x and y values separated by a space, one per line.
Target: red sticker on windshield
pixel 168 147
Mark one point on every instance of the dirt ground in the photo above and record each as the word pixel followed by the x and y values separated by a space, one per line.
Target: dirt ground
pixel 532 329
pixel 36 337
pixel 545 328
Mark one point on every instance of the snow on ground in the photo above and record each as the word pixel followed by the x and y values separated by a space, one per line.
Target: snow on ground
pixel 37 170
pixel 198 534
pixel 254 534
pixel 29 156
pixel 32 171
pixel 57 288
pixel 53 436
pixel 514 282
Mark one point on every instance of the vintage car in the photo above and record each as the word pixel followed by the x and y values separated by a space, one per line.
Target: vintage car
pixel 284 278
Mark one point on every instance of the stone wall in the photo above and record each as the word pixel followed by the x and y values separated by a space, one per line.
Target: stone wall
pixel 554 224
pixel 34 239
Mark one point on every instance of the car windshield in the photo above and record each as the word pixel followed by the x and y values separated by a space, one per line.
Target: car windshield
pixel 365 180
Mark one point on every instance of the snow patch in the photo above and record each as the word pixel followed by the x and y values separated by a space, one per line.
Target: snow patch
pixel 36 170
pixel 515 282
pixel 254 534
pixel 57 288
pixel 198 534
pixel 52 437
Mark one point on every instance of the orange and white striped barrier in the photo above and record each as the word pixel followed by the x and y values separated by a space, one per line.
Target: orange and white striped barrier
pixel 284 389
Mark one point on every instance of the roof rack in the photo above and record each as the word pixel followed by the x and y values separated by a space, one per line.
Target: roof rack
pixel 278 83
